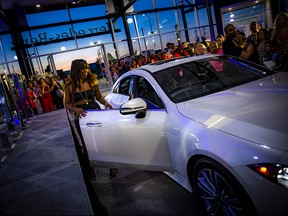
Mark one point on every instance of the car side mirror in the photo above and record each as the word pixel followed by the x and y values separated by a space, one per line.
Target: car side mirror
pixel 134 106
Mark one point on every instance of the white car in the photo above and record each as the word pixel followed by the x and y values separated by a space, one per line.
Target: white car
pixel 214 123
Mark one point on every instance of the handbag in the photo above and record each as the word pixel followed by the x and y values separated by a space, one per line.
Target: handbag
pixel 60 93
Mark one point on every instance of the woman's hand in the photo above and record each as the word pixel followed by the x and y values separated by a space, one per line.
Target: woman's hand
pixel 80 112
pixel 108 106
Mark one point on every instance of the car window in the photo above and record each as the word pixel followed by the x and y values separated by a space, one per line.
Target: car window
pixel 145 90
pixel 122 87
pixel 202 77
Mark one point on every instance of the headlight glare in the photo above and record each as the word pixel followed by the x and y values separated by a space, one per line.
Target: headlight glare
pixel 274 172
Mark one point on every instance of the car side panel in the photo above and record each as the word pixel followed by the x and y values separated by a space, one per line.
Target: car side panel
pixel 117 140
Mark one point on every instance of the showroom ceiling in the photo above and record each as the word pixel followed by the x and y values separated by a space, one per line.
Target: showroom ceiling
pixel 9 4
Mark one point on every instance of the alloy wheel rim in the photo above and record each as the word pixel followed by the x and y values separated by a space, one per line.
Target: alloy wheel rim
pixel 216 194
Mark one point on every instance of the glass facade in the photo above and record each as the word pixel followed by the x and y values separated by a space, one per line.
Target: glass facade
pixel 242 15
pixel 151 23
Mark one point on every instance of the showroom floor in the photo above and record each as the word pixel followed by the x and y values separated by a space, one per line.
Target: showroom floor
pixel 41 175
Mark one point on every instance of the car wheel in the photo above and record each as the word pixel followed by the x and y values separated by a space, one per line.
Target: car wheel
pixel 218 191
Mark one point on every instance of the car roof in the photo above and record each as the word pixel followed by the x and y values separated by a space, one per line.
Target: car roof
pixel 154 67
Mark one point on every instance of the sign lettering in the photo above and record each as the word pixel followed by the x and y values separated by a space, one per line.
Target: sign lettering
pixel 43 36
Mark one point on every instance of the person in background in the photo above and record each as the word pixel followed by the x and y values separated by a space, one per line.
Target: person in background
pixel 65 80
pixel 187 49
pixel 121 67
pixel 178 53
pixel 214 49
pixel 38 101
pixel 263 36
pixel 134 63
pixel 231 44
pixel 249 51
pixel 143 60
pixel 253 37
pixel 59 80
pixel 57 99
pixel 207 45
pixel 270 56
pixel 80 94
pixel 201 49
pixel 220 40
pixel 31 97
pixel 127 65
pixel 114 72
pixel 280 39
pixel 47 101
pixel 168 55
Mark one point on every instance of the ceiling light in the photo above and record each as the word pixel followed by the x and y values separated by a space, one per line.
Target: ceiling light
pixel 129 20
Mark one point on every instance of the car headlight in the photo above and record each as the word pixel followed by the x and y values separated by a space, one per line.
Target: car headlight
pixel 275 172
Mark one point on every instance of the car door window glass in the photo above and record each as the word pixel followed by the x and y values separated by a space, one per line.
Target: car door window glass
pixel 146 91
pixel 122 87
pixel 199 78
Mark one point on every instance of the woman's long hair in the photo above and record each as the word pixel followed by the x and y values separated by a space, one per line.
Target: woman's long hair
pixel 276 25
pixel 75 76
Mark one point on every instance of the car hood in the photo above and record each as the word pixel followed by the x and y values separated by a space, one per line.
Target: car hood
pixel 256 111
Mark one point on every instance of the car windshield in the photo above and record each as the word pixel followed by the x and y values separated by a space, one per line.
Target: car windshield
pixel 202 77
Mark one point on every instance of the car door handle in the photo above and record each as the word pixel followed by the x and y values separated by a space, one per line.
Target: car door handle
pixel 94 124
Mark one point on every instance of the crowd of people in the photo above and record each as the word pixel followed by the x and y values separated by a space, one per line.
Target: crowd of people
pixel 45 94
pixel 261 46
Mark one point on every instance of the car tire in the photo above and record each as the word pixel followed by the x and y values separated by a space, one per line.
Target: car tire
pixel 218 192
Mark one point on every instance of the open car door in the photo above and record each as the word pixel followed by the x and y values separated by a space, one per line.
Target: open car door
pixel 127 137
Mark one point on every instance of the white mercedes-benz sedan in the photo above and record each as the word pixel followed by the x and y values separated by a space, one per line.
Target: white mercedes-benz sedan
pixel 216 124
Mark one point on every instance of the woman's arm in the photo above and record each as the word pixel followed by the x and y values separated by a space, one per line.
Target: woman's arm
pixel 69 105
pixel 247 52
pixel 99 97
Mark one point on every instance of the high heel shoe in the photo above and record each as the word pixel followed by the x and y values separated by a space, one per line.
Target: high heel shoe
pixel 113 173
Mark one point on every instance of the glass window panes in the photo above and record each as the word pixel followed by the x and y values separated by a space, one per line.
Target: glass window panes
pixel 141 5
pixel 119 29
pixel 132 23
pixel 14 67
pixel 190 18
pixel 46 35
pixel 205 33
pixel 111 51
pixel 245 16
pixel 164 3
pixel 194 35
pixel 171 37
pixel 97 32
pixel 88 12
pixel 6 42
pixel 123 49
pixel 167 21
pixel 47 17
pixel 153 42
pixel 180 19
pixel 136 45
pixel 147 24
pixel 182 37
pixel 203 17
